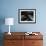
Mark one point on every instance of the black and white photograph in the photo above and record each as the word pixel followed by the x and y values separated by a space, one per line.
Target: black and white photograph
pixel 27 15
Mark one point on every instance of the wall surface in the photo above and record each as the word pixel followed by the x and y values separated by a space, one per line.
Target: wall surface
pixel 9 8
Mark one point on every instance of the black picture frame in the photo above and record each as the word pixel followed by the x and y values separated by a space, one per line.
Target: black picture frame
pixel 26 16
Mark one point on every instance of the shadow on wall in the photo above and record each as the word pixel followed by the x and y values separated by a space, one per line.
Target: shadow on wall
pixel 2 21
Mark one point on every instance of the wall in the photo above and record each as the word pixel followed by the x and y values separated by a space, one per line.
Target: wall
pixel 9 8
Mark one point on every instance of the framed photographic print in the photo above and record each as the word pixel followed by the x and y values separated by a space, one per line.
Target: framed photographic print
pixel 27 15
